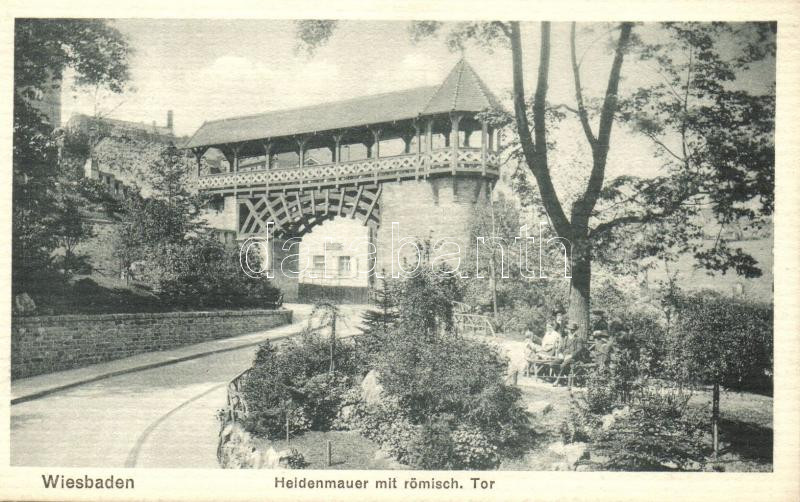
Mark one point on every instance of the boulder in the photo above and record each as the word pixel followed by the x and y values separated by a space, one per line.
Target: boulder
pixel 571 453
pixel 540 407
pixel 275 459
pixel 371 389
pixel 575 452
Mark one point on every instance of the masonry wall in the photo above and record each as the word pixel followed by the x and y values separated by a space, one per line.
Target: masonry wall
pixel 100 248
pixel 431 209
pixel 53 343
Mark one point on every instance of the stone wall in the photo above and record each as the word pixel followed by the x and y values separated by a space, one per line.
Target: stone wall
pixel 437 208
pixel 53 343
pixel 100 248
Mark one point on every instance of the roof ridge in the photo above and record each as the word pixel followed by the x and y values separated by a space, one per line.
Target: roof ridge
pixel 305 107
pixel 481 85
pixel 460 66
pixel 436 93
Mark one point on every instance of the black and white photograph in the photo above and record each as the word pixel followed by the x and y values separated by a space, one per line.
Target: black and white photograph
pixel 437 251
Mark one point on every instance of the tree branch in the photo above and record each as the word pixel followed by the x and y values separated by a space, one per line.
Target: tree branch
pixel 576 73
pixel 536 153
pixel 584 207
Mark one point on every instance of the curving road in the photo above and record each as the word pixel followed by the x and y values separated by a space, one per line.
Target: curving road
pixel 162 417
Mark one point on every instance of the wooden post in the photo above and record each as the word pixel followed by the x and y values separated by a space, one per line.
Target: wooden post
pixel 484 145
pixel 198 154
pixel 235 166
pixel 328 453
pixel 267 145
pixel 337 149
pixel 301 151
pixel 376 145
pixel 287 425
pixel 454 120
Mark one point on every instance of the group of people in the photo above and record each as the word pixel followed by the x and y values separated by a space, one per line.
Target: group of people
pixel 565 347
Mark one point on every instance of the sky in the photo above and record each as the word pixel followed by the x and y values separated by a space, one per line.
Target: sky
pixel 210 69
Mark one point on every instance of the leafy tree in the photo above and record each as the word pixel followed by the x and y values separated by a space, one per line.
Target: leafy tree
pixel 167 216
pixel 70 228
pixel 726 133
pixel 726 342
pixel 43 49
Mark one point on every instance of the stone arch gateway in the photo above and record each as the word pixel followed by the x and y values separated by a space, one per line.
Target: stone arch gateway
pixel 278 184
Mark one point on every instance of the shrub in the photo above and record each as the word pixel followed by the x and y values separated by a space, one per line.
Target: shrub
pixel 439 446
pixel 473 449
pixel 659 432
pixel 387 424
pixel 726 340
pixel 323 398
pixel 295 460
pixel 295 382
pixel 201 272
pixel 439 382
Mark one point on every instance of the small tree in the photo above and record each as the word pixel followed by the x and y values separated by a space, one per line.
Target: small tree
pixel 727 342
pixel 70 229
pixel 326 313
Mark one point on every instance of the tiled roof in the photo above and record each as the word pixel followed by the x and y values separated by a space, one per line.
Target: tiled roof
pixel 462 90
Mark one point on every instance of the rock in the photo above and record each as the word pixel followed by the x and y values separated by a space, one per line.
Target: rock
pixel 557 448
pixel 345 413
pixel 24 304
pixel 382 455
pixel 572 453
pixel 540 407
pixel 371 389
pixel 575 452
pixel 270 459
pixel 255 459
pixel 609 420
pixel 583 468
pixel 561 466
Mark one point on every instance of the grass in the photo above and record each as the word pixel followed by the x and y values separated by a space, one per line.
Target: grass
pixel 746 428
pixel 349 451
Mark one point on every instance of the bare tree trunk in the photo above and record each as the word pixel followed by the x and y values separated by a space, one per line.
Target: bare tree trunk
pixel 580 287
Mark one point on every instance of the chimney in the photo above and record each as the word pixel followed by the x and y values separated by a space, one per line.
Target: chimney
pixel 169 120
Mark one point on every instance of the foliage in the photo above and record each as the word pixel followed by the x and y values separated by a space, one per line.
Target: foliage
pixel 295 459
pixel 70 229
pixel 727 340
pixel 443 387
pixel 712 132
pixel 658 432
pixel 43 49
pixel 384 422
pixel 714 139
pixel 201 272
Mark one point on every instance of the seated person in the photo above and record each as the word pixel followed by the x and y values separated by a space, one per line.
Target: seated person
pixel 574 349
pixel 549 345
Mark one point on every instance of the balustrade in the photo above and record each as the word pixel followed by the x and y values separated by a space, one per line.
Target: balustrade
pixel 352 172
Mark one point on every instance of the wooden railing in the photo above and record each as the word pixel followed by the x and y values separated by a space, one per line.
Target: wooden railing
pixel 469 322
pixel 470 160
pixel 236 403
pixel 474 324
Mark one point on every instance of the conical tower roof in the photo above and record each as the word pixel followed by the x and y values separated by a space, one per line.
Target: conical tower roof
pixel 462 91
